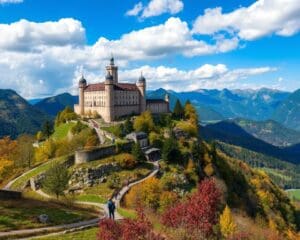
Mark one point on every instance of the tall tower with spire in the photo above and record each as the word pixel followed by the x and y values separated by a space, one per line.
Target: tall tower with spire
pixel 141 84
pixel 112 70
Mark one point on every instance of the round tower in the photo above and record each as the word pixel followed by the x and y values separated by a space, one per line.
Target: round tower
pixel 167 99
pixel 141 84
pixel 82 85
pixel 109 98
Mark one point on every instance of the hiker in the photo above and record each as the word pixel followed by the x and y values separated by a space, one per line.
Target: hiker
pixel 111 209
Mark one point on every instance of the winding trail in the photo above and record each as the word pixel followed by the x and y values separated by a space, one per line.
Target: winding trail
pixel 64 228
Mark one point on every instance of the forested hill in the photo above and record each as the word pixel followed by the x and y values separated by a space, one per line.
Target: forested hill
pixel 17 116
pixel 230 132
pixel 55 104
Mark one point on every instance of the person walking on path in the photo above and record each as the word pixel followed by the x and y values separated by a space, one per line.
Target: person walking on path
pixel 111 208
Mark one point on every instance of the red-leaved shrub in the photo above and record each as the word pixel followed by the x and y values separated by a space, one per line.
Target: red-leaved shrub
pixel 198 212
pixel 128 229
pixel 108 230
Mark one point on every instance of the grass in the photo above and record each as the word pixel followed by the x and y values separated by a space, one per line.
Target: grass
pixel 127 213
pixel 62 130
pixel 91 198
pixel 89 234
pixel 111 129
pixel 18 184
pixel 22 214
pixel 294 194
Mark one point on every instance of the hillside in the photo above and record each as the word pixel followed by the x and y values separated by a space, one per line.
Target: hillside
pixel 288 112
pixel 270 131
pixel 230 132
pixel 284 174
pixel 53 105
pixel 17 116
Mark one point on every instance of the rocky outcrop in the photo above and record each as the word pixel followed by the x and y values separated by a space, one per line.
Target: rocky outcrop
pixel 87 177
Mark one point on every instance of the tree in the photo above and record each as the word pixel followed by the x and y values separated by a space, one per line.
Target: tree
pixel 198 213
pixel 138 153
pixel 127 161
pixel 170 151
pixel 25 153
pixel 47 129
pixel 227 225
pixel 190 113
pixel 128 126
pixel 178 111
pixel 66 115
pixel 39 136
pixel 155 140
pixel 92 141
pixel 144 122
pixel 56 180
pixel 45 151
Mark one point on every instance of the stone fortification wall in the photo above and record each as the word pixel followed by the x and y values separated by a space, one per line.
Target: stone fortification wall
pixel 84 156
pixel 8 195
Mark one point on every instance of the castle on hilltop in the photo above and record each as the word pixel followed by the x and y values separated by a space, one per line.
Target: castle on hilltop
pixel 112 100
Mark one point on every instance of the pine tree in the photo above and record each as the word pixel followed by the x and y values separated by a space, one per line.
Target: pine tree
pixel 138 153
pixel 178 110
pixel 47 129
pixel 128 126
pixel 170 151
pixel 227 225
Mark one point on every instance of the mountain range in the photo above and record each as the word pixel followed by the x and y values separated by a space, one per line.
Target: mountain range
pixel 259 105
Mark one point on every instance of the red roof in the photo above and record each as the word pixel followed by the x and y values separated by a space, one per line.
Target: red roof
pixel 119 86
pixel 95 87
pixel 126 87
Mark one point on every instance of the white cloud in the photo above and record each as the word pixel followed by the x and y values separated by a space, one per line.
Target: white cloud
pixel 10 1
pixel 44 58
pixel 135 10
pixel 264 17
pixel 24 35
pixel 156 8
pixel 172 37
pixel 206 76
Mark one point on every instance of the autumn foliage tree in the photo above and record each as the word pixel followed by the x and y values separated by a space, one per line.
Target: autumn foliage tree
pixel 197 214
pixel 144 122
pixel 227 225
pixel 7 149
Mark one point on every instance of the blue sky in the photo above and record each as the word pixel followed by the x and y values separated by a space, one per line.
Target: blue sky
pixel 178 44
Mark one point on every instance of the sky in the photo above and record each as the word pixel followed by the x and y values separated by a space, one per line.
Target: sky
pixel 182 45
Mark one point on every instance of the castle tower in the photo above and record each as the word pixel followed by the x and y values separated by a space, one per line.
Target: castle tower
pixel 112 70
pixel 167 99
pixel 109 98
pixel 82 84
pixel 141 84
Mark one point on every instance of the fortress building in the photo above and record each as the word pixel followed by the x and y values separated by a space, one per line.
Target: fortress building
pixel 111 99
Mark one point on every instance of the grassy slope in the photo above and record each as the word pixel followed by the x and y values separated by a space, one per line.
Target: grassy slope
pixel 22 214
pixel 62 130
pixel 89 234
pixel 42 168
